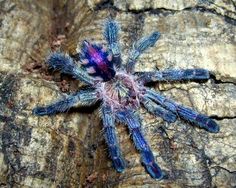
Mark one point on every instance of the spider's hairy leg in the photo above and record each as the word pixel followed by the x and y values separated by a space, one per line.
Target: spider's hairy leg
pixel 111 34
pixel 111 139
pixel 82 98
pixel 141 144
pixel 158 110
pixel 185 113
pixel 139 47
pixel 64 63
pixel 174 75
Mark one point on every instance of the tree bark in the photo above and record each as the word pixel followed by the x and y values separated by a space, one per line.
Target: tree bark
pixel 68 149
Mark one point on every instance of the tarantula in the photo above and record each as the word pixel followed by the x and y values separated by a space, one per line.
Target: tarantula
pixel 122 91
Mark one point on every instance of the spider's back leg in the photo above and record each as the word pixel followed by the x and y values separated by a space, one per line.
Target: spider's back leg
pixel 174 75
pixel 111 139
pixel 141 144
pixel 185 113
pixel 111 34
pixel 64 63
pixel 82 98
pixel 139 47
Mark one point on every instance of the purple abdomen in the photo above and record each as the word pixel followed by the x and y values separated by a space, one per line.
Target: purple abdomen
pixel 97 61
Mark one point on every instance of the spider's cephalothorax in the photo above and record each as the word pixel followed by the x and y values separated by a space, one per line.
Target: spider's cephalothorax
pixel 122 91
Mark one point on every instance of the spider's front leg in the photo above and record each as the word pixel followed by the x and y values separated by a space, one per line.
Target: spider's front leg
pixel 141 144
pixel 64 63
pixel 174 75
pixel 139 47
pixel 157 110
pixel 111 139
pixel 82 98
pixel 111 34
pixel 185 113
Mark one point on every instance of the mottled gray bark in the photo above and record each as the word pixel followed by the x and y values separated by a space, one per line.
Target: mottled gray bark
pixel 68 150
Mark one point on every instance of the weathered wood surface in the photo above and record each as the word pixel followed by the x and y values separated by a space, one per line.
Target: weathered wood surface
pixel 68 150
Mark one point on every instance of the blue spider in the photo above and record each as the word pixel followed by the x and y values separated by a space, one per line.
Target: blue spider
pixel 122 91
